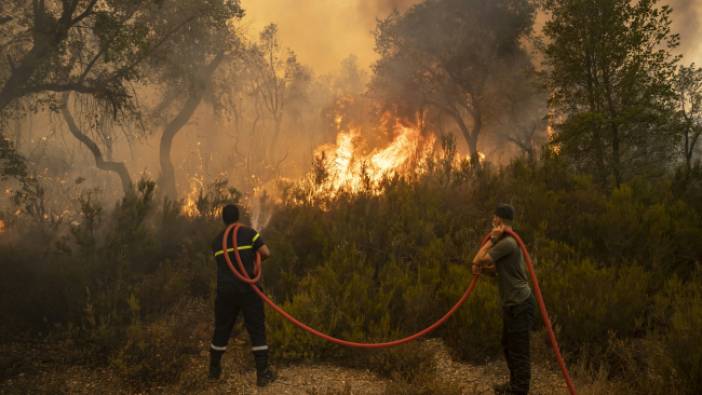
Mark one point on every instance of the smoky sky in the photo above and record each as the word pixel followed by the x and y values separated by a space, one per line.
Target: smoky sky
pixel 372 9
pixel 687 22
pixel 324 32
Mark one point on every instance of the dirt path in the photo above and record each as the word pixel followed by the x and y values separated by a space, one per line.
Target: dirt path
pixel 305 379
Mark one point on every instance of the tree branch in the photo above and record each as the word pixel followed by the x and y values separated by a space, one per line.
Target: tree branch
pixel 147 53
pixel 100 162
pixel 70 86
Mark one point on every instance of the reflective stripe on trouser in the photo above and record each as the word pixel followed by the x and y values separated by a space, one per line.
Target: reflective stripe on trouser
pixel 517 322
pixel 228 305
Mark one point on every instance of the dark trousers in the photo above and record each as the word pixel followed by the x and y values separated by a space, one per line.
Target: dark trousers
pixel 228 304
pixel 517 322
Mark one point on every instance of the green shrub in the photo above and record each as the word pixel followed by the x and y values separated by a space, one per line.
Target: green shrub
pixel 680 307
pixel 474 332
pixel 375 267
pixel 587 302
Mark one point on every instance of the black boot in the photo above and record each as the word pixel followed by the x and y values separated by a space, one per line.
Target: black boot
pixel 264 374
pixel 215 364
pixel 502 389
pixel 265 377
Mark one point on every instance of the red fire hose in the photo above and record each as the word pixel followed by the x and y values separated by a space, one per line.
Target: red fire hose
pixel 243 275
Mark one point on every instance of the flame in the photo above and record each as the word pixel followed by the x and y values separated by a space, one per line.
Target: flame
pixel 189 208
pixel 397 153
pixel 2 226
pixel 347 167
pixel 550 131
pixel 197 185
pixel 551 134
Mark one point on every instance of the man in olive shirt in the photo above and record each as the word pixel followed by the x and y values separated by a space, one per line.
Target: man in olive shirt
pixel 501 255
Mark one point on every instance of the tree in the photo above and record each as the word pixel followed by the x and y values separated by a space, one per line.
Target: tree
pixel 193 94
pixel 184 69
pixel 40 38
pixel 448 55
pixel 610 73
pixel 280 81
pixel 102 163
pixel 524 103
pixel 95 50
pixel 688 95
pixel 352 78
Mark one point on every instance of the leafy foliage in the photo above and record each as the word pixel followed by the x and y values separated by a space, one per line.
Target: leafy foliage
pixel 619 272
pixel 611 72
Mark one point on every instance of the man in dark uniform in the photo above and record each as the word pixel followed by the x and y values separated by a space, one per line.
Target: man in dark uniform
pixel 502 255
pixel 234 296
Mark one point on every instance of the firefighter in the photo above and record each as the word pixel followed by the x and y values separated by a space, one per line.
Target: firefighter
pixel 235 296
pixel 502 256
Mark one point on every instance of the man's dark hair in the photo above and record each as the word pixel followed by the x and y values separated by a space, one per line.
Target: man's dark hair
pixel 230 214
pixel 505 211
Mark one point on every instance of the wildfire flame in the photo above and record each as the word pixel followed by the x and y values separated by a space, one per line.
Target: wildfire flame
pixel 347 167
pixel 189 208
pixel 551 134
pixel 350 165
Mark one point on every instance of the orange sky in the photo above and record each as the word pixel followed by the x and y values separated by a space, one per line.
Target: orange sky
pixel 323 32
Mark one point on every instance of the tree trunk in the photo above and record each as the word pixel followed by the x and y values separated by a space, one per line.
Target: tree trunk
pixel 116 167
pixel 591 72
pixel 274 141
pixel 691 136
pixel 600 169
pixel 477 128
pixel 688 152
pixel 166 180
pixel 471 138
pixel 616 155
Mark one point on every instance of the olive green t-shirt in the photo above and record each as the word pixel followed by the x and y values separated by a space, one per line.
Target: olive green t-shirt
pixel 511 271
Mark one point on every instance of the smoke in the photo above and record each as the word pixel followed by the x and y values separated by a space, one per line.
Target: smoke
pixel 371 10
pixel 686 21
pixel 323 33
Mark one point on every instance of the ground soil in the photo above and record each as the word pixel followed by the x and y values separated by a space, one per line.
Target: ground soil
pixel 238 377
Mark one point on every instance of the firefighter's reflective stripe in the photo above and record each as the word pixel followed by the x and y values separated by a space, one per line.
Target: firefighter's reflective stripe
pixel 255 237
pixel 220 252
pixel 259 348
pixel 217 348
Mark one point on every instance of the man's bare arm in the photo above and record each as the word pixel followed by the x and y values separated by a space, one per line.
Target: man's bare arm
pixel 482 260
pixel 482 256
